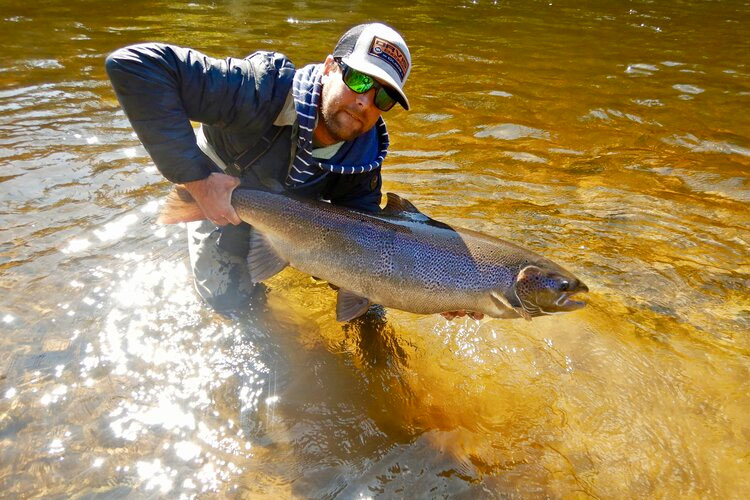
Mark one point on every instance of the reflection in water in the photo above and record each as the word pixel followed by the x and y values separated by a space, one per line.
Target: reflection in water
pixel 373 340
pixel 175 371
pixel 172 394
pixel 605 137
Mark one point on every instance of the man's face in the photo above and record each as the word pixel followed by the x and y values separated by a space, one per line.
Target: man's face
pixel 344 114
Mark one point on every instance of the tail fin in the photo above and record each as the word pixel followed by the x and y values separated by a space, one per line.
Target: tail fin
pixel 180 207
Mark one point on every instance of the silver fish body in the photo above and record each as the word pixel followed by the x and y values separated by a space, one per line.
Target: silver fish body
pixel 401 258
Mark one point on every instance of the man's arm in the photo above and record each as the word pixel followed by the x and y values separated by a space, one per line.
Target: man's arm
pixel 163 87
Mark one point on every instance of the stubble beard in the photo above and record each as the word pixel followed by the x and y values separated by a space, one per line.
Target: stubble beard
pixel 334 122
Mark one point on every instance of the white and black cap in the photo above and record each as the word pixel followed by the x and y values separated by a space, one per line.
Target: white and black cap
pixel 378 51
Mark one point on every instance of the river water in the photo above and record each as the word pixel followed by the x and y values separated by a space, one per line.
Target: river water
pixel 612 137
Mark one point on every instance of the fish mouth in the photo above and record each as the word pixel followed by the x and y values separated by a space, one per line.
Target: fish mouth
pixel 566 302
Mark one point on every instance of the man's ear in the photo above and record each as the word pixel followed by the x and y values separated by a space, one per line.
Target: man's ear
pixel 329 65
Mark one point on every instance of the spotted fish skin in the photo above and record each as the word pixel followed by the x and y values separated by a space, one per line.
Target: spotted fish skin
pixel 401 258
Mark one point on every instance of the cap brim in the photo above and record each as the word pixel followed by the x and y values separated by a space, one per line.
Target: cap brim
pixel 380 74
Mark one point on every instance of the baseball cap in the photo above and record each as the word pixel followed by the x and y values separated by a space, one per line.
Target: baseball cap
pixel 379 51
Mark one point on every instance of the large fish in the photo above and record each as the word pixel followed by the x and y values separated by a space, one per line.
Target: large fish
pixel 397 257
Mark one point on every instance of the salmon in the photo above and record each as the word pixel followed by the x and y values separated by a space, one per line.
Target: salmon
pixel 398 257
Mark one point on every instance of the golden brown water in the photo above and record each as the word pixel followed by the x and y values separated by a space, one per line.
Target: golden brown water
pixel 612 137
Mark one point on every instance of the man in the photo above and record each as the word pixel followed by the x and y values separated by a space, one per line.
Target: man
pixel 316 131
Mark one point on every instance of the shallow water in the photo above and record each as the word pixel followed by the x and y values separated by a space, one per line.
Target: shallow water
pixel 612 137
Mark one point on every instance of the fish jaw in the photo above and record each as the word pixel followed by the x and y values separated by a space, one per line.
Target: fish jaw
pixel 542 289
pixel 566 303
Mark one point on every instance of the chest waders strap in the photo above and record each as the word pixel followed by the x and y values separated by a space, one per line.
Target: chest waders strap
pixel 236 239
pixel 247 158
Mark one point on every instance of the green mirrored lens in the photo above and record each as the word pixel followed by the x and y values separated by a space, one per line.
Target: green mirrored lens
pixel 383 100
pixel 361 83
pixel 358 82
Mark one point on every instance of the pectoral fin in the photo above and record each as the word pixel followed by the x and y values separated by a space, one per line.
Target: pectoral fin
pixel 513 303
pixel 263 261
pixel 350 305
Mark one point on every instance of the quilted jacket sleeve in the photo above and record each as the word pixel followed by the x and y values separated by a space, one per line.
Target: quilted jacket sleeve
pixel 163 87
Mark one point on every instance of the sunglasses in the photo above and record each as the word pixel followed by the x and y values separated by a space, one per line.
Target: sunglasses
pixel 361 83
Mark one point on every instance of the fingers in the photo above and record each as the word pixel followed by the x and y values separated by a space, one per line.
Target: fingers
pixel 231 215
pixel 214 195
pixel 222 186
pixel 227 216
pixel 223 220
pixel 450 315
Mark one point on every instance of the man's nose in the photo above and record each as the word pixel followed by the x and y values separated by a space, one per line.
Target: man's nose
pixel 367 99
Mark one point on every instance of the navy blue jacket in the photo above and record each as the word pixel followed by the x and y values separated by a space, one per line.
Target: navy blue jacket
pixel 163 87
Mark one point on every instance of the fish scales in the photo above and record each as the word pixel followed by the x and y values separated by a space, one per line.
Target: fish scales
pixel 397 259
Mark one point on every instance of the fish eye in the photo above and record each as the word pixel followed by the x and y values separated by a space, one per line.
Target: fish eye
pixel 563 285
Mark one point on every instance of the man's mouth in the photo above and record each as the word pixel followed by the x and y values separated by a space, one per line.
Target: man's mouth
pixel 354 116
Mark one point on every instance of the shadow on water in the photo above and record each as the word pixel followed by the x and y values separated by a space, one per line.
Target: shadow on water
pixel 374 340
pixel 606 137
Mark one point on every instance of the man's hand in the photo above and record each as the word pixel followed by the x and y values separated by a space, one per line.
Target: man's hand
pixel 214 195
pixel 461 313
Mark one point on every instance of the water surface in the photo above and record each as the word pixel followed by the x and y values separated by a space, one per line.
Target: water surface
pixel 609 136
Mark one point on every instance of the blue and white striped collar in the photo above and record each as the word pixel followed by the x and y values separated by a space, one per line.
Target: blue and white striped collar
pixel 365 154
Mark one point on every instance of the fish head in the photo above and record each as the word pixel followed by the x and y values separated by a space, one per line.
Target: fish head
pixel 540 290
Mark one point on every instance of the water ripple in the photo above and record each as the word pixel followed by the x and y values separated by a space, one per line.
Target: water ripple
pixel 511 132
pixel 688 89
pixel 697 145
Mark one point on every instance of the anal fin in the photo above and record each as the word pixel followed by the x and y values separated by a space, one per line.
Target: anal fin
pixel 350 305
pixel 263 261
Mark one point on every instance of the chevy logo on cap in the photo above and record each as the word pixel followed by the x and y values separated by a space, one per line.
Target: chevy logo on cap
pixel 391 54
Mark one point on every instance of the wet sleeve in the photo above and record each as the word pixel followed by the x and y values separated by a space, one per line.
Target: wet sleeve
pixel 360 191
pixel 163 87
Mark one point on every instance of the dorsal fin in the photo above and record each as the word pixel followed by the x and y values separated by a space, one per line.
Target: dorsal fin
pixel 404 209
pixel 397 205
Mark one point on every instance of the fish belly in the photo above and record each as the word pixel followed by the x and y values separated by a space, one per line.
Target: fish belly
pixel 409 267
